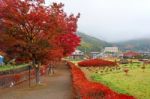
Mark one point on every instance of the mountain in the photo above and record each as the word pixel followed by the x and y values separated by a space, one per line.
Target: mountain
pixel 136 45
pixel 89 43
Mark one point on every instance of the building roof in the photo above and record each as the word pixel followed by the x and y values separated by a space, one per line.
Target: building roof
pixel 131 54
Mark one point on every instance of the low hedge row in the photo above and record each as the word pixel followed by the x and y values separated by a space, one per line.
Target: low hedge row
pixel 96 63
pixel 84 89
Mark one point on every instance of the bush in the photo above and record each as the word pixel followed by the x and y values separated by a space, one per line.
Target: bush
pixel 97 63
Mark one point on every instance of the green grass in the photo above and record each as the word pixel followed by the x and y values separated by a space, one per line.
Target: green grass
pixel 133 65
pixel 136 83
pixel 11 67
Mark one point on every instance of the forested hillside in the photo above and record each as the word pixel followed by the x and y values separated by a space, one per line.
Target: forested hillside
pixel 137 44
pixel 89 43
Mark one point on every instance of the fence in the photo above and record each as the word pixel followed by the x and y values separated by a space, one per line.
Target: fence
pixel 15 78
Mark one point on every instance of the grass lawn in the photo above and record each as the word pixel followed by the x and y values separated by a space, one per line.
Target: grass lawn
pixel 10 67
pixel 134 65
pixel 136 83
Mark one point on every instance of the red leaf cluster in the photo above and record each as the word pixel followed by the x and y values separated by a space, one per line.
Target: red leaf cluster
pixel 85 89
pixel 55 54
pixel 96 63
pixel 68 42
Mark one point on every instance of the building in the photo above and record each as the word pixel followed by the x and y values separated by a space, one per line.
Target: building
pixel 94 54
pixel 111 52
pixel 131 54
pixel 77 54
pixel 111 49
pixel 145 53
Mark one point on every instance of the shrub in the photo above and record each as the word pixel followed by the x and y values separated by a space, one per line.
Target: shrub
pixel 126 70
pixel 97 63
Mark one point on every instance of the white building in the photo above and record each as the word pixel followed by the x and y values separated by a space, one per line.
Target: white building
pixel 77 54
pixel 111 49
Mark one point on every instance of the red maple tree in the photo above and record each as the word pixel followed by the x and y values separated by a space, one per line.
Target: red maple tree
pixel 30 29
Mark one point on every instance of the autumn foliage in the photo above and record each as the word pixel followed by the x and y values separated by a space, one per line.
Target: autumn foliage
pixel 96 63
pixel 36 32
pixel 85 89
pixel 68 43
pixel 32 29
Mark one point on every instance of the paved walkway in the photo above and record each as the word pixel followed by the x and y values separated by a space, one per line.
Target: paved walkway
pixel 57 86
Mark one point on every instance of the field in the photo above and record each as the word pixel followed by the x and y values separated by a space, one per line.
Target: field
pixel 11 67
pixel 135 83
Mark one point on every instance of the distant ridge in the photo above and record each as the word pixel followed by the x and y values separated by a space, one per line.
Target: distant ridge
pixel 89 43
pixel 142 44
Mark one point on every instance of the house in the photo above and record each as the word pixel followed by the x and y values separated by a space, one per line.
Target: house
pixel 131 54
pixel 77 54
pixel 111 52
pixel 145 53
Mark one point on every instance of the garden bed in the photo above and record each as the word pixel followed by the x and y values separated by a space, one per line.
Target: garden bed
pixel 85 89
pixel 135 83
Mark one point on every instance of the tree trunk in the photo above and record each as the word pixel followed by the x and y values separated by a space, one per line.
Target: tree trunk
pixel 37 74
pixel 37 71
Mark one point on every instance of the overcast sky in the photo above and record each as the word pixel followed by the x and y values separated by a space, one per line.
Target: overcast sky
pixel 111 20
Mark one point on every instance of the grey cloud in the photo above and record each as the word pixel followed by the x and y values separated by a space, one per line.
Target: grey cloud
pixel 112 20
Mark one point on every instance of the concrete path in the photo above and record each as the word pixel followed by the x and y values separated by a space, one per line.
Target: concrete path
pixel 56 86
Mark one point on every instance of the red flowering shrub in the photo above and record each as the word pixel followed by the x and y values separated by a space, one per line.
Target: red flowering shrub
pixel 126 70
pixel 96 63
pixel 84 89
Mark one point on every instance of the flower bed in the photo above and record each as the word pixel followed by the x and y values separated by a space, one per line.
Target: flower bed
pixel 96 63
pixel 84 89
